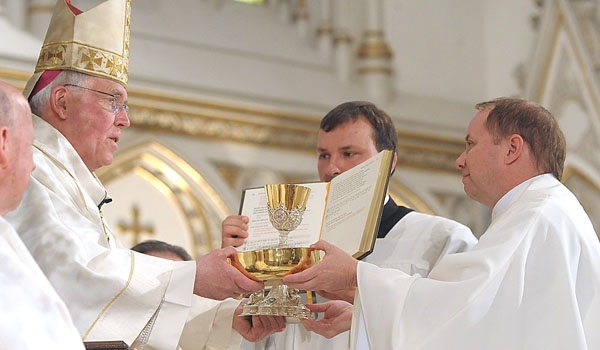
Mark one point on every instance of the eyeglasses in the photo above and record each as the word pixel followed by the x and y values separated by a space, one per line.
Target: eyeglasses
pixel 116 107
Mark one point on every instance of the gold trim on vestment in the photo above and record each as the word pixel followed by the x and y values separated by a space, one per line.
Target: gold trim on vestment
pixel 115 298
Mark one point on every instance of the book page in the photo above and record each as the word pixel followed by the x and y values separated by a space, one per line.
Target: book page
pixel 350 199
pixel 262 235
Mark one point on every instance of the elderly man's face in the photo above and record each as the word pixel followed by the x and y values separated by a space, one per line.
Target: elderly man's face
pixel 94 127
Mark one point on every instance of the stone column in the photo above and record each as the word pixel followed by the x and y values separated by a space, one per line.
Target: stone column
pixel 40 13
pixel 15 11
pixel 342 40
pixel 374 55
pixel 285 10
pixel 325 30
pixel 301 18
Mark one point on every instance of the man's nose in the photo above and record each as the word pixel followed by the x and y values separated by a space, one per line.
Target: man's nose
pixel 333 169
pixel 122 119
pixel 459 163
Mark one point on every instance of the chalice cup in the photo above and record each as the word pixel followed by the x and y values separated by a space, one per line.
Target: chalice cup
pixel 269 266
pixel 286 204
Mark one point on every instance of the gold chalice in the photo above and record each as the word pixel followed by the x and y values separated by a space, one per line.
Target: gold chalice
pixel 269 266
pixel 286 204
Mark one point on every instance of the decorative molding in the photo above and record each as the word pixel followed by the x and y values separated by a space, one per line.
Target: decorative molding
pixel 571 174
pixel 326 28
pixel 572 26
pixel 587 192
pixel 17 78
pixel 229 173
pixel 261 127
pixel 342 38
pixel 212 127
pixel 402 195
pixel 46 9
pixel 428 153
pixel 412 152
pixel 209 120
pixel 369 70
pixel 374 47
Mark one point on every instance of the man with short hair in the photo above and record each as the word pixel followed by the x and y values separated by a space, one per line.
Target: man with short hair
pixel 33 315
pixel 79 100
pixel 532 281
pixel 406 240
pixel 162 250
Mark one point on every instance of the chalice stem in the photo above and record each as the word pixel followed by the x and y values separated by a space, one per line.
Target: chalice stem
pixel 283 238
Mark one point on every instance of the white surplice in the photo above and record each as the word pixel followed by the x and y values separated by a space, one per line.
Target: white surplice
pixel 32 316
pixel 112 293
pixel 532 282
pixel 413 245
pixel 212 315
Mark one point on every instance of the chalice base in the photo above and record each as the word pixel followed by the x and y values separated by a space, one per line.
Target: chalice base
pixel 270 266
pixel 281 300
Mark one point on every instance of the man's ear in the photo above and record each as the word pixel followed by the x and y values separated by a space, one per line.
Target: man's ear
pixel 4 147
pixel 394 162
pixel 515 145
pixel 58 101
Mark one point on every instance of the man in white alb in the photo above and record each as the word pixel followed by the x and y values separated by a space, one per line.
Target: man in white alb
pixel 33 315
pixel 531 282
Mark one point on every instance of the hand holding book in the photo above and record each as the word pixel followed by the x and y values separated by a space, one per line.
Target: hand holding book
pixel 345 211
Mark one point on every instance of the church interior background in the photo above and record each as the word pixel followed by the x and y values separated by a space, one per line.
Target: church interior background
pixel 227 95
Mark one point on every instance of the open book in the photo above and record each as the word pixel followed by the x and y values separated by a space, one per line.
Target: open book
pixel 345 211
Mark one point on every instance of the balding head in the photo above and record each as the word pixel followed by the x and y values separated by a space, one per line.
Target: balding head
pixel 16 137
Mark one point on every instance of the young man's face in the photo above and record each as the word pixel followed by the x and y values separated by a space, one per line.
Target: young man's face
pixel 344 147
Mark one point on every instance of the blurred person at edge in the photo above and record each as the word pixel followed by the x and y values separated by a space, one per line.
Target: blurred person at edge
pixel 33 315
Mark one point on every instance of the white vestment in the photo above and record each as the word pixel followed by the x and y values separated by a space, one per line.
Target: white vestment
pixel 216 316
pixel 532 282
pixel 414 245
pixel 112 293
pixel 32 316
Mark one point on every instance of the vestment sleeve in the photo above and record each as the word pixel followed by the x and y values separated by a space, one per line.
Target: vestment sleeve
pixel 209 325
pixel 111 293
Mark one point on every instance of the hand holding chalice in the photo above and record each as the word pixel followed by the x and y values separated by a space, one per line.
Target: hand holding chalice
pixel 286 205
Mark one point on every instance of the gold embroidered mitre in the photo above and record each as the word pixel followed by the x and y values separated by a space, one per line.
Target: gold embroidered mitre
pixel 94 42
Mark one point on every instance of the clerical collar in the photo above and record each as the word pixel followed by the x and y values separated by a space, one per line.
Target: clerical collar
pixel 503 202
